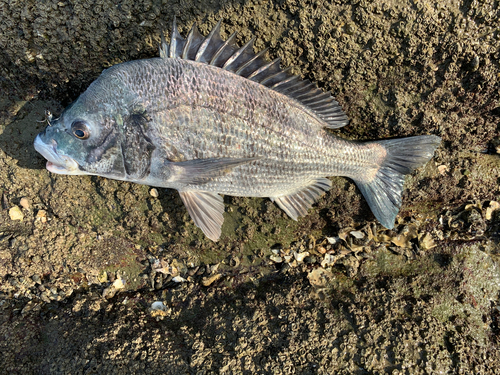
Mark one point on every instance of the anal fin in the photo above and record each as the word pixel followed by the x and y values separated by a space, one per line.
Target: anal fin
pixel 206 210
pixel 298 203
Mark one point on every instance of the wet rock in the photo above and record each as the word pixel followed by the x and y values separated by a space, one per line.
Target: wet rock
pixel 391 65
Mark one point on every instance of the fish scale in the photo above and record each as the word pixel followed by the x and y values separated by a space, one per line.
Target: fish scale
pixel 209 117
pixel 267 126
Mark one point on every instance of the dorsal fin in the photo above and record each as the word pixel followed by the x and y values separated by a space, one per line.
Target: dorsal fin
pixel 245 62
pixel 192 44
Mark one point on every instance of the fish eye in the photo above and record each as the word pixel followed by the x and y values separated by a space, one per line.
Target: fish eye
pixel 80 130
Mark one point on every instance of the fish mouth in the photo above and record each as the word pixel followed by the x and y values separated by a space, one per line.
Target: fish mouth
pixel 56 163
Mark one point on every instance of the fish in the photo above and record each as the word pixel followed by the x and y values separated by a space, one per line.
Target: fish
pixel 210 118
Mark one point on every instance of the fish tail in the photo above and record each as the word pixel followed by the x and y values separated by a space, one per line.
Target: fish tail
pixel 383 189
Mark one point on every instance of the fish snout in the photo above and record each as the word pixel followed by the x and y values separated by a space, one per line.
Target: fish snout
pixel 56 163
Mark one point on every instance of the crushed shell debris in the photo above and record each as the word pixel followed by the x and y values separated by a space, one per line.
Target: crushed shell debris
pixel 158 305
pixel 315 256
pixel 118 284
pixel 159 310
pixel 492 207
pixel 207 281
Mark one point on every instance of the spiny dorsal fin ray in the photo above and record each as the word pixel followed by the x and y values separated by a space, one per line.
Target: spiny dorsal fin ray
pixel 176 42
pixel 269 81
pixel 251 64
pixel 192 44
pixel 164 47
pixel 268 70
pixel 224 51
pixel 241 56
pixel 246 63
pixel 210 45
pixel 286 83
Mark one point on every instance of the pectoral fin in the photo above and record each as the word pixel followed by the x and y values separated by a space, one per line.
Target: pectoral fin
pixel 206 210
pixel 201 171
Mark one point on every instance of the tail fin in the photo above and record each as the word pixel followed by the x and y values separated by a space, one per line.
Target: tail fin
pixel 383 193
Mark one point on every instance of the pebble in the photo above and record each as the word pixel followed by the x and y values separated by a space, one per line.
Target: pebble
pixel 42 216
pixel 154 193
pixel 5 202
pixel 25 203
pixel 15 213
pixel 159 310
pixel 234 262
pixel 321 250
pixel 442 169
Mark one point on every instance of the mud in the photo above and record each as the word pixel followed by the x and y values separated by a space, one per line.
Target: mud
pixel 79 273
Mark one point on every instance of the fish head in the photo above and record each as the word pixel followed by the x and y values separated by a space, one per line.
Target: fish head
pixel 105 132
pixel 82 141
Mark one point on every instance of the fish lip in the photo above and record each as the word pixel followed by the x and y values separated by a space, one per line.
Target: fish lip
pixel 56 163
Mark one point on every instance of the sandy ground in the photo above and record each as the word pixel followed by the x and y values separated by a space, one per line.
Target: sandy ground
pixel 332 293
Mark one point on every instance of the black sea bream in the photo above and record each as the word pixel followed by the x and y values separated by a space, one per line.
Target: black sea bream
pixel 209 117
